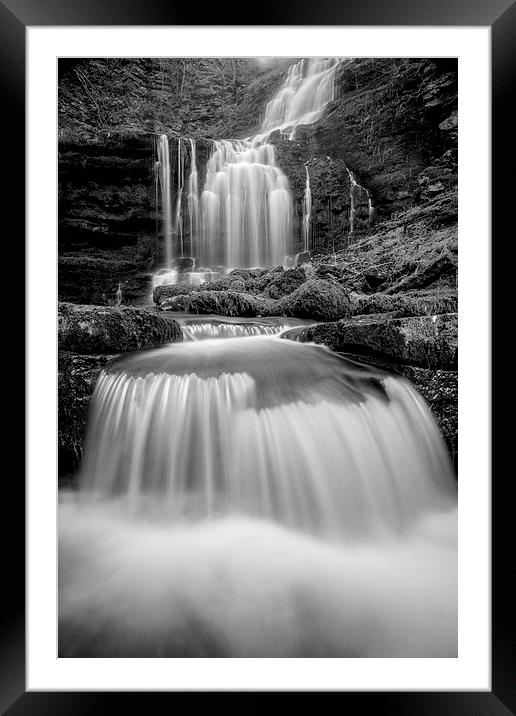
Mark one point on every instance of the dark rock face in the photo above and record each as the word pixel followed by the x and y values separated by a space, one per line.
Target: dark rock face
pixel 77 375
pixel 440 390
pixel 428 341
pixel 392 125
pixel 89 279
pixel 98 329
pixel 316 298
pixel 107 218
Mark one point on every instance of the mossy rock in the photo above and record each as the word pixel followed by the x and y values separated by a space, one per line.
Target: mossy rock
pixel 112 329
pixel 77 375
pixel 427 341
pixel 227 303
pixel 285 282
pixel 160 293
pixel 316 298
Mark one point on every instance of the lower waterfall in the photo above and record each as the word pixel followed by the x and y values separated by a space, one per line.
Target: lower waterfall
pixel 254 496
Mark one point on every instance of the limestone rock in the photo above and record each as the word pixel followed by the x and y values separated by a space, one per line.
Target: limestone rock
pixel 111 329
pixel 428 341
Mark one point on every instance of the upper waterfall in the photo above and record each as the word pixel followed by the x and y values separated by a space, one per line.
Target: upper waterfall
pixel 308 87
pixel 243 217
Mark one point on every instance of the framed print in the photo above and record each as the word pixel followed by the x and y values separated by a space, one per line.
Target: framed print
pixel 272 245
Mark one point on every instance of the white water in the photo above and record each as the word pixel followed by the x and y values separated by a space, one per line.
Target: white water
pixel 193 201
pixel 163 170
pixel 179 215
pixel 258 497
pixel 201 331
pixel 357 189
pixel 244 215
pixel 246 207
pixel 307 212
pixel 309 86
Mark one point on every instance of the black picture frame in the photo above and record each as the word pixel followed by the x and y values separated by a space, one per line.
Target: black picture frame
pixel 500 15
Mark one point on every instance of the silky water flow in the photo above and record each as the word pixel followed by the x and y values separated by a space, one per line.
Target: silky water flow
pixel 256 496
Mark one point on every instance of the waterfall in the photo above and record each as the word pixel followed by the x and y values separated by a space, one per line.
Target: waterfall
pixel 179 215
pixel 163 170
pixel 243 217
pixel 246 207
pixel 193 200
pixel 265 427
pixel 307 212
pixel 352 209
pixel 260 497
pixel 309 86
pixel 354 188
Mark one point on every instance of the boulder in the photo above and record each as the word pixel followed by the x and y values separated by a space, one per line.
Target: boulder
pixel 160 293
pixel 112 329
pixel 320 299
pixel 284 282
pixel 428 341
pixel 228 303
pixel 175 303
pixel 228 283
pixel 303 257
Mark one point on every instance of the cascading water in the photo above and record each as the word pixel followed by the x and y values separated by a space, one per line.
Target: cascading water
pixel 193 200
pixel 163 171
pixel 309 86
pixel 246 207
pixel 244 495
pixel 307 212
pixel 354 189
pixel 201 331
pixel 244 217
pixel 258 497
pixel 179 200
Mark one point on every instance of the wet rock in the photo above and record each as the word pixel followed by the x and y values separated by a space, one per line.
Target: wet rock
pixel 89 279
pixel 335 271
pixel 283 283
pixel 450 123
pixel 161 293
pixel 175 303
pixel 303 257
pixel 110 329
pixel 227 303
pixel 373 279
pixel 228 283
pixel 428 341
pixel 440 390
pixel 320 299
pixel 184 263
pixel 77 375
pixel 428 303
pixel 247 273
pixel 426 273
